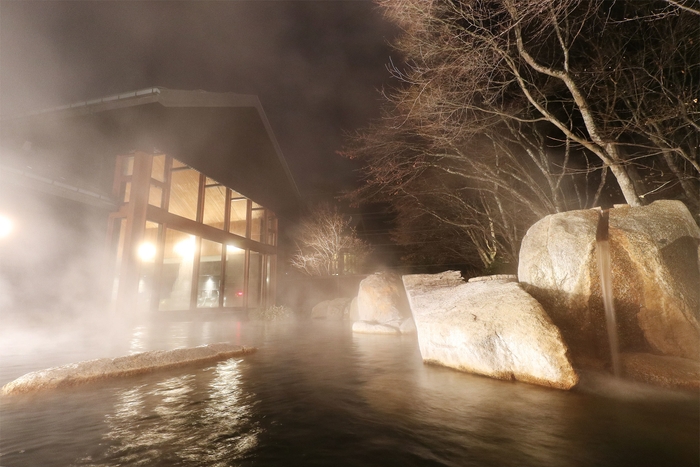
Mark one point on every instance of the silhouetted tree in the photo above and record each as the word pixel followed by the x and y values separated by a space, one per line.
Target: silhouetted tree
pixel 325 240
pixel 509 110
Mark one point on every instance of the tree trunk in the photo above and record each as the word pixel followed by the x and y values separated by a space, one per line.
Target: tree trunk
pixel 626 185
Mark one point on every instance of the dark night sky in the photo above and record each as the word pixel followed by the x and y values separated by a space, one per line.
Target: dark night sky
pixel 317 66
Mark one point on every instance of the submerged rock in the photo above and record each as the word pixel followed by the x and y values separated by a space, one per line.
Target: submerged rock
pixel 655 275
pixel 366 327
pixel 493 328
pixel 104 368
pixel 671 372
pixel 407 326
pixel 354 313
pixel 337 309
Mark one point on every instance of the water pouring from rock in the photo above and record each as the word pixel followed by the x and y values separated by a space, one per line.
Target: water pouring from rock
pixel 605 271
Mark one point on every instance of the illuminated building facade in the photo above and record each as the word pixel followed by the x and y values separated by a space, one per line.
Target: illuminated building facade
pixel 182 240
pixel 192 185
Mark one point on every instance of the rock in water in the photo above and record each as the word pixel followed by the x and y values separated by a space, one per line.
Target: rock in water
pixel 336 309
pixel 655 273
pixel 672 372
pixel 354 313
pixel 104 368
pixel 381 304
pixel 365 327
pixel 379 298
pixel 492 328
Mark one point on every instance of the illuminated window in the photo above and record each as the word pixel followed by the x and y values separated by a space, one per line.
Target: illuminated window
pixel 214 204
pixel 184 192
pixel 255 270
pixel 209 281
pixel 146 253
pixel 257 223
pixel 158 168
pixel 176 275
pixel 155 196
pixel 182 266
pixel 234 289
pixel 239 214
pixel 271 224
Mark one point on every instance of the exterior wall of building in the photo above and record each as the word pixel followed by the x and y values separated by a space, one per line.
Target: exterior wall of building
pixel 181 240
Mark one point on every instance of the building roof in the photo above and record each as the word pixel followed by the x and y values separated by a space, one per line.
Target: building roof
pixel 226 136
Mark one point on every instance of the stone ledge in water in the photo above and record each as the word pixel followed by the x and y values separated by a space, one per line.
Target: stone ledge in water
pixel 495 277
pixel 104 368
pixel 406 326
pixel 670 372
pixel 365 327
pixel 492 328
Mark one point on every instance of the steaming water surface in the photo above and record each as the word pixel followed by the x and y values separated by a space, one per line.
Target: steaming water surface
pixel 315 394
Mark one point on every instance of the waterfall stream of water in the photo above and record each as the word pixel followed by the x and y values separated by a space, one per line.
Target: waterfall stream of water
pixel 605 271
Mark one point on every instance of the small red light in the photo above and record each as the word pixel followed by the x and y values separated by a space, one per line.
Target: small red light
pixel 240 294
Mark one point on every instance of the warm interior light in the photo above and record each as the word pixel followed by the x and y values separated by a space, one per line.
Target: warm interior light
pixel 185 248
pixel 147 251
pixel 233 249
pixel 6 226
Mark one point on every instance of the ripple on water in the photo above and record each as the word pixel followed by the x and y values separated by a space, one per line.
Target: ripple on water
pixel 315 394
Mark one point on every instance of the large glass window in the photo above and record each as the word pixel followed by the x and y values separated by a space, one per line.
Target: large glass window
pixel 257 223
pixel 271 225
pixel 254 279
pixel 239 214
pixel 214 204
pixel 184 192
pixel 235 277
pixel 155 195
pixel 208 284
pixel 176 275
pixel 158 168
pixel 146 253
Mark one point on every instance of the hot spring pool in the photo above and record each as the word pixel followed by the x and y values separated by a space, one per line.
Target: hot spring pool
pixel 315 394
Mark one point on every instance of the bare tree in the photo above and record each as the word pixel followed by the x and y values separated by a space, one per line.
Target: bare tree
pixel 509 110
pixel 327 244
pixel 472 64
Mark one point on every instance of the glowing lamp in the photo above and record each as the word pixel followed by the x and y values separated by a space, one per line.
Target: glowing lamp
pixel 186 247
pixel 6 226
pixel 147 251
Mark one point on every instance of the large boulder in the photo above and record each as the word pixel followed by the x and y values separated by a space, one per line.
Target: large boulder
pixel 381 304
pixel 655 275
pixel 379 298
pixel 493 328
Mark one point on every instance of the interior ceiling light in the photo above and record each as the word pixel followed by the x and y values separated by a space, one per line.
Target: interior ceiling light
pixel 186 247
pixel 147 251
pixel 6 226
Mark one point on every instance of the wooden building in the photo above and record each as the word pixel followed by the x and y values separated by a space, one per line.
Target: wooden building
pixel 192 185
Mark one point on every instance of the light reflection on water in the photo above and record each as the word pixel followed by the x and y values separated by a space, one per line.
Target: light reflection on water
pixel 181 420
pixel 315 394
